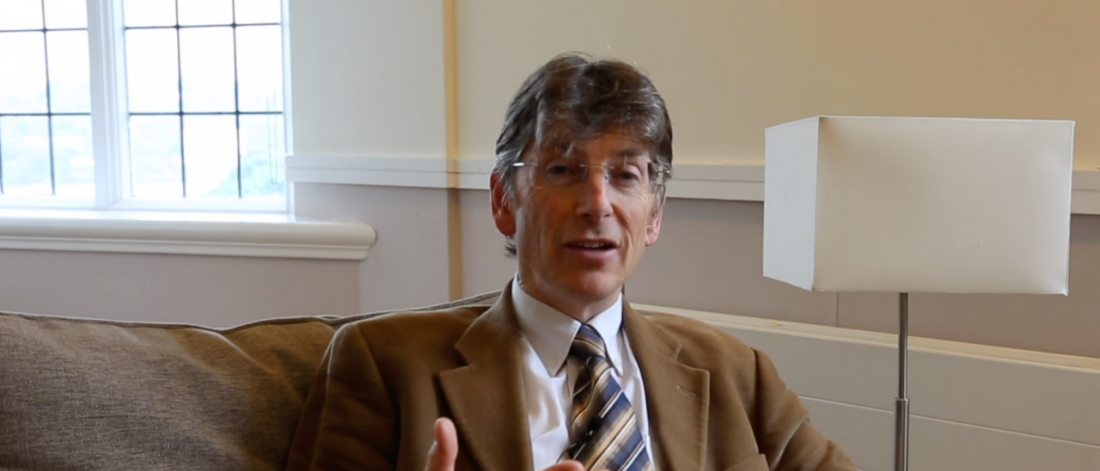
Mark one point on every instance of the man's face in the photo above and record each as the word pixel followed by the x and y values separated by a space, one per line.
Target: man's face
pixel 580 234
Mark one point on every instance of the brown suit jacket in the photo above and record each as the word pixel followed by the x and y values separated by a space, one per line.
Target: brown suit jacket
pixel 713 402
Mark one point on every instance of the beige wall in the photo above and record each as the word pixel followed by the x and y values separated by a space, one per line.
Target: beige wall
pixel 366 78
pixel 408 264
pixel 728 69
pixel 387 78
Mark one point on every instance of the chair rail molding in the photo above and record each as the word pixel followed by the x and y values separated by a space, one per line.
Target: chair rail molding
pixel 727 180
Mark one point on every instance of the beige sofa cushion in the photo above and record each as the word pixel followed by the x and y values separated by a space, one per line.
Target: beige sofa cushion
pixel 89 395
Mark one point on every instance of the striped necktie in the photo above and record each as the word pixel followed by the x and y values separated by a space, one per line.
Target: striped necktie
pixel 604 428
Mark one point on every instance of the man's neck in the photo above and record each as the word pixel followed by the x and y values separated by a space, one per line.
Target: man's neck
pixel 581 310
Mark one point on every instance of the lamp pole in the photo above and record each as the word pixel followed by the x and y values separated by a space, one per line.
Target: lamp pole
pixel 901 409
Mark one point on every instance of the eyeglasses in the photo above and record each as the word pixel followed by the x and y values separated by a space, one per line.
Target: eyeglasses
pixel 626 175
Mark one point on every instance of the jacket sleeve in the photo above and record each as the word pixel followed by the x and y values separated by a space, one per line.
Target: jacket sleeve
pixel 349 420
pixel 783 429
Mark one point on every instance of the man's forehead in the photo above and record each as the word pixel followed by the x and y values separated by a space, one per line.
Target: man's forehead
pixel 616 144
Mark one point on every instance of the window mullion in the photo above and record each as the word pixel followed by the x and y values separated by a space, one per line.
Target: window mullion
pixel 109 120
pixel 49 102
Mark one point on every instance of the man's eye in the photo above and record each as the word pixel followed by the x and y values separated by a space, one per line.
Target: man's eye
pixel 629 175
pixel 558 169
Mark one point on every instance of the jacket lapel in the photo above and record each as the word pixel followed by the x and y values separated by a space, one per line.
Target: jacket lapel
pixel 486 396
pixel 677 395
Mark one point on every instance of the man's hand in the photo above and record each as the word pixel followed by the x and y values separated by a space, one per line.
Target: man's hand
pixel 445 449
pixel 441 457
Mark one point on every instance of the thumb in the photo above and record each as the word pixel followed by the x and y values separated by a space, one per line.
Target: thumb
pixel 445 448
pixel 567 466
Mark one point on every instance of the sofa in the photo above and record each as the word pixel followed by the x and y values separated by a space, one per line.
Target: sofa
pixel 85 394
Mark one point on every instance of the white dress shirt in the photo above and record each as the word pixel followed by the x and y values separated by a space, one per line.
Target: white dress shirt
pixel 549 374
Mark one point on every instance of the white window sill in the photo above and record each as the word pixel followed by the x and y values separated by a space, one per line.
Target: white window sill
pixel 221 234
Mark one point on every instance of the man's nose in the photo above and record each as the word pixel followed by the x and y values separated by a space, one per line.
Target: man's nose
pixel 595 194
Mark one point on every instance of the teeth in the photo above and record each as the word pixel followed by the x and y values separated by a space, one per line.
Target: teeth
pixel 592 245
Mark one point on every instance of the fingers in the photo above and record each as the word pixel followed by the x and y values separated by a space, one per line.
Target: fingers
pixel 444 450
pixel 568 466
pixel 442 455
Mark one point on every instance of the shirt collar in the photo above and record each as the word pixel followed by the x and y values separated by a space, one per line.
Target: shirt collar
pixel 551 331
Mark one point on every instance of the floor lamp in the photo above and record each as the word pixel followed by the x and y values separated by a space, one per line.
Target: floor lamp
pixel 918 205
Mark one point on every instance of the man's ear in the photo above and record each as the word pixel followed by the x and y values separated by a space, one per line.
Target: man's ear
pixel 653 228
pixel 504 214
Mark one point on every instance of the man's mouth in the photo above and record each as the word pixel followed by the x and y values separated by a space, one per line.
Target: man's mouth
pixel 591 245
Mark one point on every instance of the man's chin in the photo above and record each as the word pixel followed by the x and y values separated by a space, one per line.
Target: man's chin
pixel 596 287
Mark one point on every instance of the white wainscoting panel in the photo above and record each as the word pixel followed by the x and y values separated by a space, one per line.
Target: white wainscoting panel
pixel 973 407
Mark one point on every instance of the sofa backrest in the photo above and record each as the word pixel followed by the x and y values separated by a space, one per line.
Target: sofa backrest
pixel 94 394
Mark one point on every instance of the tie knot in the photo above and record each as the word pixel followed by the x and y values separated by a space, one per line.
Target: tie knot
pixel 588 344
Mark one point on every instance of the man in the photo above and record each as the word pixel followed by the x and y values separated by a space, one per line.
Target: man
pixel 560 373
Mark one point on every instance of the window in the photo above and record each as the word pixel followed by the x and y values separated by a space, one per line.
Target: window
pixel 142 104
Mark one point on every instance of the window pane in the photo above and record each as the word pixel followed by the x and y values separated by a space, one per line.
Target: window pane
pixel 74 166
pixel 25 143
pixel 206 12
pixel 152 72
pixel 260 68
pixel 259 11
pixel 22 73
pixel 210 153
pixel 149 12
pixel 20 14
pixel 263 170
pixel 155 168
pixel 207 59
pixel 66 14
pixel 70 89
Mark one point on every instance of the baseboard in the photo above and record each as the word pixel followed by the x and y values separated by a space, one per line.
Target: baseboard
pixel 972 406
pixel 713 180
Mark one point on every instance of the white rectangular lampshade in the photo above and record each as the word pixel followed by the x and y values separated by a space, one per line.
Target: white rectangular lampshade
pixel 895 204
